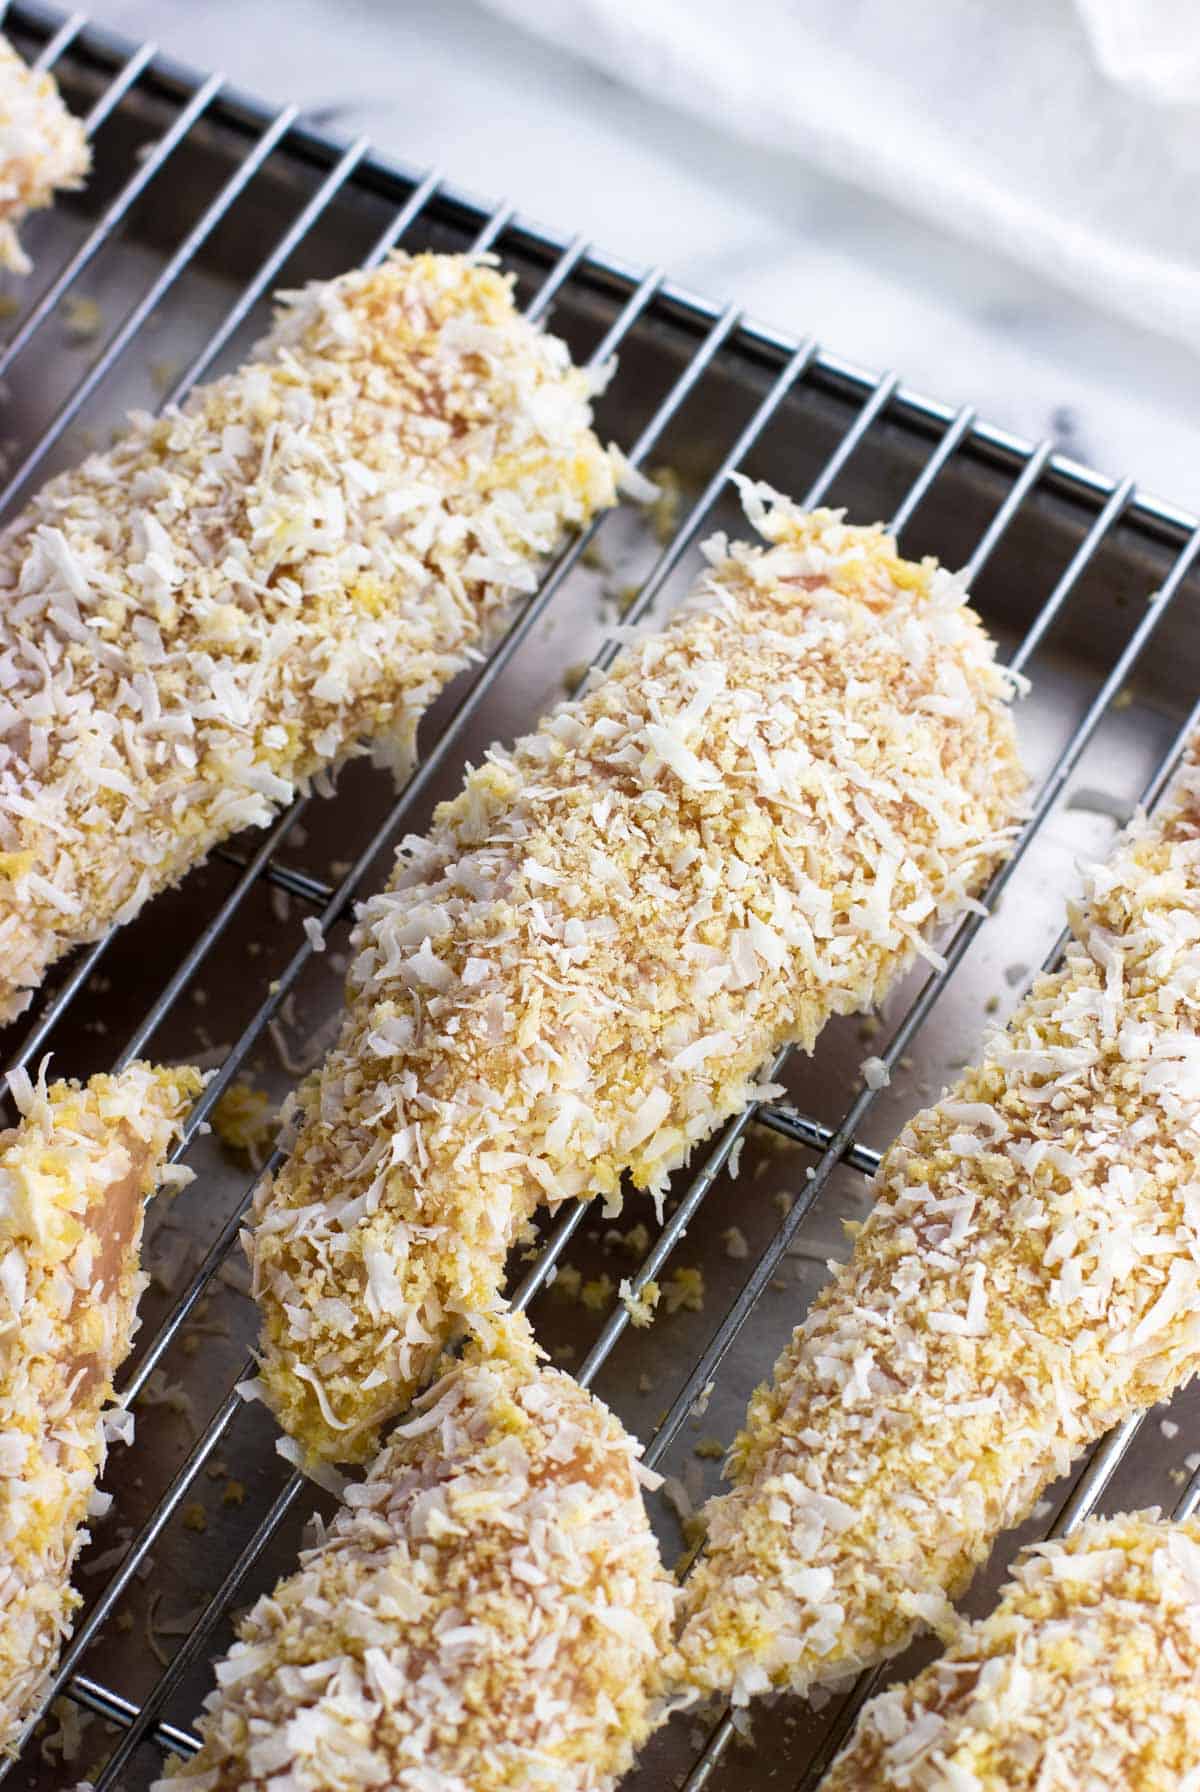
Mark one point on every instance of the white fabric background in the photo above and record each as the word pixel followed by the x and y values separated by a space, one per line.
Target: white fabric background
pixel 558 107
pixel 1064 136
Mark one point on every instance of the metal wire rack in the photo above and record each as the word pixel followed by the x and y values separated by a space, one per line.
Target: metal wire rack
pixel 200 204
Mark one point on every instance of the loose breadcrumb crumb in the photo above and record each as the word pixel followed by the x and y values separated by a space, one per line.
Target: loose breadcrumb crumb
pixel 684 1291
pixel 567 1282
pixel 640 1306
pixel 244 1117
pixel 597 1294
pixel 634 1242
pixel 663 509
pixel 82 317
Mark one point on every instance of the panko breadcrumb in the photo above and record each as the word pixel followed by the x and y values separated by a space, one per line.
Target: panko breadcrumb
pixel 43 149
pixel 749 825
pixel 1029 1276
pixel 74 1176
pixel 237 596
pixel 487 1610
pixel 244 1118
pixel 1084 1677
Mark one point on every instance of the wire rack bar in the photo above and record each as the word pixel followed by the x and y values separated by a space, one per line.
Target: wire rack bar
pixel 66 34
pixel 952 439
pixel 802 1129
pixel 301 884
pixel 93 1695
pixel 1189 1500
pixel 118 87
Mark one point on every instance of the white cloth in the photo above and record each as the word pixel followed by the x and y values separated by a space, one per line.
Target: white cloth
pixel 1060 134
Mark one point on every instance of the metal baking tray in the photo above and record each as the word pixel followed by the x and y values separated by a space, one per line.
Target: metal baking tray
pixel 200 204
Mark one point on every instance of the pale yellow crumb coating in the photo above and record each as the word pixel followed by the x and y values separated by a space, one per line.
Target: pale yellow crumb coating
pixel 74 1177
pixel 488 1609
pixel 42 149
pixel 237 596
pixel 1028 1276
pixel 747 826
pixel 1084 1679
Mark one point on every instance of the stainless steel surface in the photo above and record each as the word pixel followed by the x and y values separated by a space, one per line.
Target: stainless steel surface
pixel 201 204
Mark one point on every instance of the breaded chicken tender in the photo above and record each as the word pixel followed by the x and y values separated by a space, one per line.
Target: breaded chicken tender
pixel 487 1610
pixel 238 596
pixel 749 825
pixel 75 1174
pixel 1028 1277
pixel 43 150
pixel 1084 1678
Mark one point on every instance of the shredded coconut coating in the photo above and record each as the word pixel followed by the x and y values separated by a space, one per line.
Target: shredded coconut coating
pixel 198 622
pixel 74 1177
pixel 487 1610
pixel 745 828
pixel 1084 1679
pixel 1029 1276
pixel 42 149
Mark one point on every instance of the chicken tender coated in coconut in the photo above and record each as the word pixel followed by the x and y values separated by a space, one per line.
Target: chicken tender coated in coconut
pixel 749 825
pixel 75 1174
pixel 1084 1677
pixel 43 150
pixel 1028 1277
pixel 488 1608
pixel 236 597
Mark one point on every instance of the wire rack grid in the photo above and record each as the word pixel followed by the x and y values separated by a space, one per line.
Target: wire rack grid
pixel 201 203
